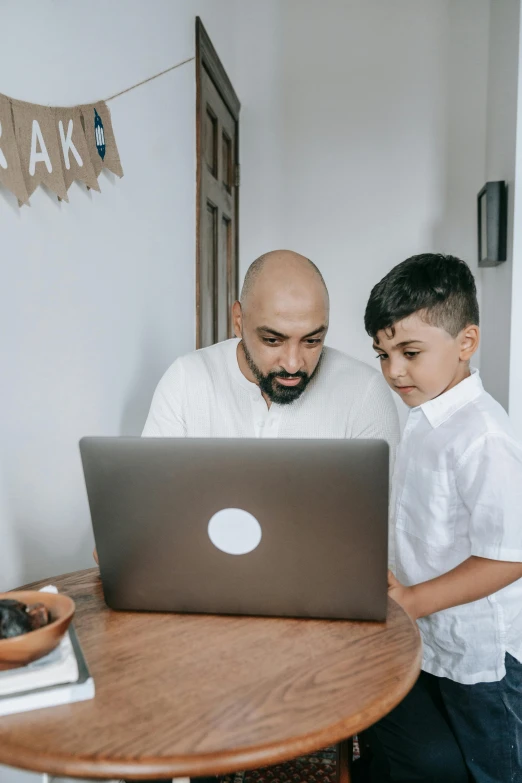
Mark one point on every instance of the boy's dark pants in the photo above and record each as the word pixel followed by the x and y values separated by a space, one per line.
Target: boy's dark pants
pixel 445 732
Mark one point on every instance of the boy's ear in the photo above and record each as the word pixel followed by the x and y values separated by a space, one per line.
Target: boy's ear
pixel 469 342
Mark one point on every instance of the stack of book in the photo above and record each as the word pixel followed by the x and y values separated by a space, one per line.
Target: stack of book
pixel 62 677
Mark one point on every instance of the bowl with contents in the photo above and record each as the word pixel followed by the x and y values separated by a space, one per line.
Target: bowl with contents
pixel 32 623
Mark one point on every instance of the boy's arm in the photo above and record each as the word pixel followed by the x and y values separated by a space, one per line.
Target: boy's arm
pixel 475 578
pixel 489 482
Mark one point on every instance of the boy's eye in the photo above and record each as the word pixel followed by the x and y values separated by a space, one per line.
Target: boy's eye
pixel 382 356
pixel 411 354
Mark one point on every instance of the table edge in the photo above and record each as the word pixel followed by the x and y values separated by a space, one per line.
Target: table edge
pixel 215 762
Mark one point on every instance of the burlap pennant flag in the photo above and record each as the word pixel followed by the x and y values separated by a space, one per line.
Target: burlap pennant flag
pixel 11 175
pixel 39 147
pixel 76 159
pixel 100 138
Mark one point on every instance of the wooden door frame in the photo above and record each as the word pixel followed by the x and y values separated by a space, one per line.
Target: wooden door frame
pixel 207 58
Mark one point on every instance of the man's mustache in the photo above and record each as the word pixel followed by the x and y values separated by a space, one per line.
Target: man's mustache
pixel 285 374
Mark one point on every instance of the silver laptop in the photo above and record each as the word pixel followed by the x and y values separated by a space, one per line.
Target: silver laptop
pixel 294 528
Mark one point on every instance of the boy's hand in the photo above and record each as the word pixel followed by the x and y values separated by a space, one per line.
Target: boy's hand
pixel 401 595
pixel 475 578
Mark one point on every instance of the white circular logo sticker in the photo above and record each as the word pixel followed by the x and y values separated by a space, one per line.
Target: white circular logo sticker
pixel 234 531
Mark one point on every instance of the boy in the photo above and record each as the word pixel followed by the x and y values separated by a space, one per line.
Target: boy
pixel 456 534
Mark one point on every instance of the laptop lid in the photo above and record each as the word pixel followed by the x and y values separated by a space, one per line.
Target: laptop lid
pixel 277 527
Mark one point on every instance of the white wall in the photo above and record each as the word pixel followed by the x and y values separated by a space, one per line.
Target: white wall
pixel 500 164
pixel 515 376
pixel 97 295
pixel 362 141
pixel 379 114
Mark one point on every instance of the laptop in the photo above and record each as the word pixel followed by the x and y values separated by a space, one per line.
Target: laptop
pixel 274 527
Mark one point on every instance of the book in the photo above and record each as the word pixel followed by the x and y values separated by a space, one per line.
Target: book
pixel 58 667
pixel 62 677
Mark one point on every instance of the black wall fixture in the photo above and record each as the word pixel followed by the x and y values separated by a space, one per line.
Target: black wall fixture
pixel 492 223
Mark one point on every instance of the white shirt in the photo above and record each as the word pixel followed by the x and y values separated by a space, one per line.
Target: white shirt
pixel 205 394
pixel 457 492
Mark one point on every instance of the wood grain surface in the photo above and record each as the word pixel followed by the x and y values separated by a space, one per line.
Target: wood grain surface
pixel 188 695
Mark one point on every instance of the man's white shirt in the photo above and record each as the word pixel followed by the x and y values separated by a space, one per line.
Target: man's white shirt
pixel 205 394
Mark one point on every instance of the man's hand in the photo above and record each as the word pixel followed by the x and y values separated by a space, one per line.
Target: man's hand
pixel 95 555
pixel 404 596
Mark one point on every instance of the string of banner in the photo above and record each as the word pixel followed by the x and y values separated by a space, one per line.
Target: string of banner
pixel 54 146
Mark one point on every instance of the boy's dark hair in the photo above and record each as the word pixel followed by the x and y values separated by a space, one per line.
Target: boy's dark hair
pixel 443 287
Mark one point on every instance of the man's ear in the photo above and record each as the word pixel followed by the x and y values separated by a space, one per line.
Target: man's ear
pixel 237 319
pixel 469 342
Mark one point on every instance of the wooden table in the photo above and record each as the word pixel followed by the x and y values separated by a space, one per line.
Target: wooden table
pixel 195 695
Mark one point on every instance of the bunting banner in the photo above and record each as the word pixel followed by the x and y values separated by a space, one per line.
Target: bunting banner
pixel 37 142
pixel 54 146
pixel 11 176
pixel 77 163
pixel 100 138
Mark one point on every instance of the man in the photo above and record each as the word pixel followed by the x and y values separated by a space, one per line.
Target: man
pixel 277 379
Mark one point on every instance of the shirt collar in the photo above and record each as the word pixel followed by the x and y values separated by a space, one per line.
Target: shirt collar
pixel 440 409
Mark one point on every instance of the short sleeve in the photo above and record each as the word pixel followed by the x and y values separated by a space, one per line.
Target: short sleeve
pixel 489 481
pixel 166 417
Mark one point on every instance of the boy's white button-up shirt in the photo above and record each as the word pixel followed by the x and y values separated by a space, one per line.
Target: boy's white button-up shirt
pixel 457 492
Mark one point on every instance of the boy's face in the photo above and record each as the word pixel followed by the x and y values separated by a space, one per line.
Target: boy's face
pixel 422 361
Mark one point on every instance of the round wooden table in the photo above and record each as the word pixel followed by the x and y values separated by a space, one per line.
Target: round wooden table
pixel 194 695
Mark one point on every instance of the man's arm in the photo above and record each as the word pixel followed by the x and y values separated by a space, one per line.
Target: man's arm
pixel 166 416
pixel 473 579
pixel 377 415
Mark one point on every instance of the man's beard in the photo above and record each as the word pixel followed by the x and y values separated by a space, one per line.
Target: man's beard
pixel 282 395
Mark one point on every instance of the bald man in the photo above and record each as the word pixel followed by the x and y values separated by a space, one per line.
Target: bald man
pixel 276 379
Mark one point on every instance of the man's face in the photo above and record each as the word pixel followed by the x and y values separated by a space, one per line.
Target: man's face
pixel 282 340
pixel 279 385
pixel 421 361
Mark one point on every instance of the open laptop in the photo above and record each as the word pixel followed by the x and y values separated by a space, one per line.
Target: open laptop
pixel 294 528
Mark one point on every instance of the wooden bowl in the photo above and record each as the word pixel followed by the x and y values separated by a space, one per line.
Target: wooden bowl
pixel 21 650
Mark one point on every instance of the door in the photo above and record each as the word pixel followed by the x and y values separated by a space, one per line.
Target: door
pixel 217 198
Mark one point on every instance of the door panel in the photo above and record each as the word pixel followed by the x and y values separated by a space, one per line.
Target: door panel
pixel 217 263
